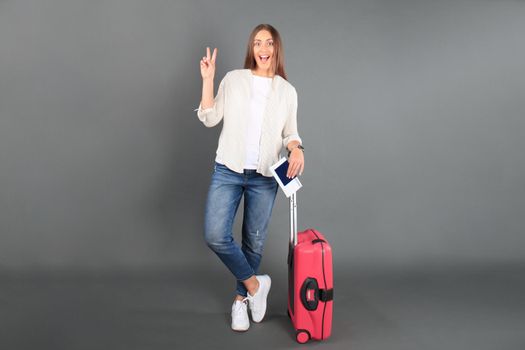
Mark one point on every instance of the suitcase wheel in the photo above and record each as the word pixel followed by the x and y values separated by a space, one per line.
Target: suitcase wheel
pixel 302 336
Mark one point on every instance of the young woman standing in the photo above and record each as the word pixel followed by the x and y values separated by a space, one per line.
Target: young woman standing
pixel 258 107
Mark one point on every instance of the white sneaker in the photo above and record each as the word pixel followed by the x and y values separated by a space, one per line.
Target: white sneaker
pixel 258 301
pixel 240 320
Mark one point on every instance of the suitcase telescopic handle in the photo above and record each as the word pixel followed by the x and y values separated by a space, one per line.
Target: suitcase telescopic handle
pixel 293 220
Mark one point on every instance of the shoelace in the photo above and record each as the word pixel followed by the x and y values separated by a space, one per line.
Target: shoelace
pixel 249 299
pixel 238 307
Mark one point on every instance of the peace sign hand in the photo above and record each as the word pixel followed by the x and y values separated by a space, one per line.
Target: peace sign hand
pixel 208 64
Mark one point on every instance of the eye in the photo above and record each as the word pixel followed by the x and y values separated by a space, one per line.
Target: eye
pixel 257 44
pixel 270 43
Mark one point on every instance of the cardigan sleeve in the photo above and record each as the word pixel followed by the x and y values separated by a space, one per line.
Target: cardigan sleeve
pixel 290 132
pixel 213 115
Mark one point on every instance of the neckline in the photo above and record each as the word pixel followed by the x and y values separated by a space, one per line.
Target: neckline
pixel 260 76
pixel 265 78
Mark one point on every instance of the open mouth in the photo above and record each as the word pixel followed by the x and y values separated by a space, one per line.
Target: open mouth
pixel 264 58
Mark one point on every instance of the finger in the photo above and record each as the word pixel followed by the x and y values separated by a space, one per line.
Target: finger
pixel 302 169
pixel 299 170
pixel 214 56
pixel 292 170
pixel 207 52
pixel 295 170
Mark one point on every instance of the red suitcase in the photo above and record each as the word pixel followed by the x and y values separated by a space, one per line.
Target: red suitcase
pixel 310 281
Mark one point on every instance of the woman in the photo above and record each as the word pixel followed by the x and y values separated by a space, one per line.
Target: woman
pixel 258 107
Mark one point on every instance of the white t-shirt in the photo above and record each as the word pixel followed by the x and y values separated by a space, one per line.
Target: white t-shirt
pixel 260 91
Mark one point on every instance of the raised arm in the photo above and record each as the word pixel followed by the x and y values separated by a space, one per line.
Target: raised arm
pixel 208 73
pixel 211 110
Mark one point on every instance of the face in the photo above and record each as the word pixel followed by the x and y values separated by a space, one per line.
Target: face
pixel 263 50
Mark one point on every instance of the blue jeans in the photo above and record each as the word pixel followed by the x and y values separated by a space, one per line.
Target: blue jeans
pixel 224 196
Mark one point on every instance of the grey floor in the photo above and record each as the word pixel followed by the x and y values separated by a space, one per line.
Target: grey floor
pixel 477 309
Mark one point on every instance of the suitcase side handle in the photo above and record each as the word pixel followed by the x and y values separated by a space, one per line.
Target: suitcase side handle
pixel 311 294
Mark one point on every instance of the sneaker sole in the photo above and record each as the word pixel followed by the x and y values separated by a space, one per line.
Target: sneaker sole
pixel 240 330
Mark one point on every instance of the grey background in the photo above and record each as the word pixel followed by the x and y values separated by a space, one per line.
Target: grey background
pixel 411 113
pixel 412 117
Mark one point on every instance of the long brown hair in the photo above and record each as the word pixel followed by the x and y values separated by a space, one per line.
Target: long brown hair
pixel 278 54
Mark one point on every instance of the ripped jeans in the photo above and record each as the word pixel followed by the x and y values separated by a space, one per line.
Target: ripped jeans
pixel 224 196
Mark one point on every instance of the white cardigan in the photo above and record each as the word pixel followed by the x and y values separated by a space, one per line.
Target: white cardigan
pixel 232 103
